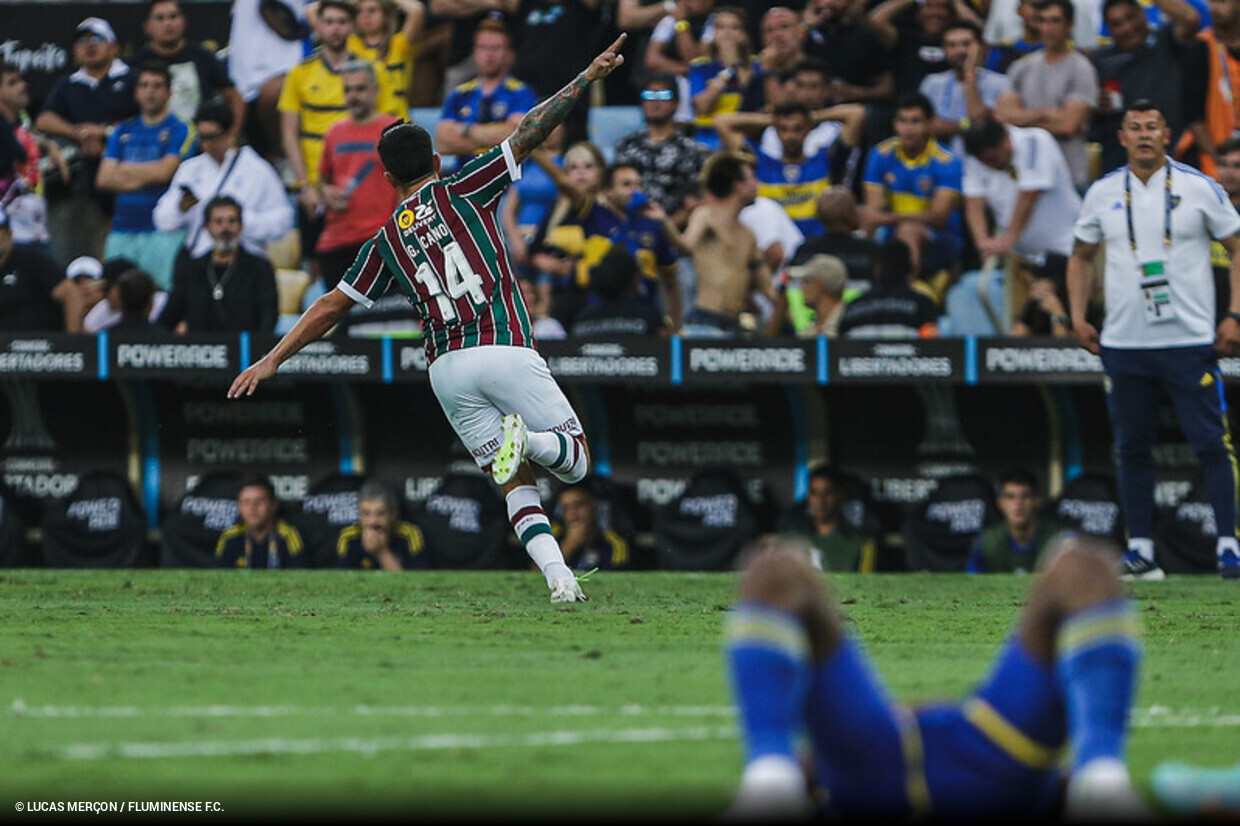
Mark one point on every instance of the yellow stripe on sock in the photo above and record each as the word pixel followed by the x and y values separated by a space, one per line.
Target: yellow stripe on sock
pixel 770 631
pixel 1014 742
pixel 1082 632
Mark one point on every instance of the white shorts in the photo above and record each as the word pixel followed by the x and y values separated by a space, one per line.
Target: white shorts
pixel 478 386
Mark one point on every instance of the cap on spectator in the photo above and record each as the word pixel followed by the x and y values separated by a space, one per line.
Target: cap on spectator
pixel 827 270
pixel 99 26
pixel 84 266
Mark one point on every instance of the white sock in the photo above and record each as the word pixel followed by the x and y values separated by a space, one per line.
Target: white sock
pixel 1143 546
pixel 532 527
pixel 1228 543
pixel 559 453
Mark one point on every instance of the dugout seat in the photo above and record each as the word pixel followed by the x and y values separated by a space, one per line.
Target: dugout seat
pixel 329 506
pixel 618 510
pixel 1090 504
pixel 13 553
pixel 1185 535
pixel 940 533
pixel 100 525
pixel 191 532
pixel 707 525
pixel 465 524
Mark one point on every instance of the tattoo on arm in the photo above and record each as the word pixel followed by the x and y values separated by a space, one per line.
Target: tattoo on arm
pixel 546 116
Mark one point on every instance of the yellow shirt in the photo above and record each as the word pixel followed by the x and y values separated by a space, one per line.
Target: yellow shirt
pixel 397 65
pixel 315 91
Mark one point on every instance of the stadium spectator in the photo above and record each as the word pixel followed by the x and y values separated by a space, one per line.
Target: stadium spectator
pixel 586 544
pixel 264 44
pixel 1065 676
pixel 821 280
pixel 22 188
pixel 261 540
pixel 618 311
pixel 1018 542
pixel 529 202
pixel 912 190
pixel 778 236
pixel 859 67
pixel 1011 48
pixel 782 40
pixel 86 273
pixel 809 85
pixel 964 92
pixel 1211 71
pixel 1019 178
pixel 1227 164
pixel 1055 87
pixel 228 289
pixel 914 33
pixel 1013 23
pixel 839 222
pixel 383 39
pixel 34 292
pixel 684 34
pixel 726 260
pixel 668 159
pixel 351 194
pixel 142 155
pixel 728 78
pixel 795 179
pixel 1159 338
pixel 553 39
pixel 380 540
pixel 464 17
pixel 197 74
pixel 481 112
pixel 893 307
pixel 1140 64
pixel 81 109
pixel 833 544
pixel 107 313
pixel 639 18
pixel 223 168
pixel 135 291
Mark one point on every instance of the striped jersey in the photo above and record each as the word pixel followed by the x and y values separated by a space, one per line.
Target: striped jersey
pixel 444 249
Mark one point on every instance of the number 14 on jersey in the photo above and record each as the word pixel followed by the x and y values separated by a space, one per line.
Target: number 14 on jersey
pixel 458 279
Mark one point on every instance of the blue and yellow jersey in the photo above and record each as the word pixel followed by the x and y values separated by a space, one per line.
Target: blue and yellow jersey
pixel 909 184
pixel 467 103
pixel 315 91
pixel 796 186
pixel 406 543
pixel 734 97
pixel 397 66
pixel 283 548
pixel 608 552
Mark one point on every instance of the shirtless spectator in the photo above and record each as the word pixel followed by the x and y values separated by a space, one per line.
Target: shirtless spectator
pixel 726 258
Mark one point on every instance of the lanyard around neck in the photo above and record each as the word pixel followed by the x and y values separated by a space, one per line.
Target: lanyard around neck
pixel 1132 237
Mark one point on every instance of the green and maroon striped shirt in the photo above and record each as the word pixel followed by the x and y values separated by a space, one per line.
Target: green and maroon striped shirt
pixel 445 250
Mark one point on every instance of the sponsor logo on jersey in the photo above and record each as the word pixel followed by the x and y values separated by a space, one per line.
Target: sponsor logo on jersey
pixel 405 219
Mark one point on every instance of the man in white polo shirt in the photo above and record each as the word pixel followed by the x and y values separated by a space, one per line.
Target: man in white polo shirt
pixel 1158 218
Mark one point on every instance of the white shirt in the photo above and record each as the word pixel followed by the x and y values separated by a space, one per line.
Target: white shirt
pixel 255 52
pixel 103 315
pixel 819 138
pixel 1003 24
pixel 1200 212
pixel 1040 166
pixel 266 214
pixel 769 223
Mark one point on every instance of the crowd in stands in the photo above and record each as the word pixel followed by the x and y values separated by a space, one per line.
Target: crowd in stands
pixel 816 167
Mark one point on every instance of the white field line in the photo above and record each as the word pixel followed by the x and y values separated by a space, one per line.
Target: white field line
pixel 20 709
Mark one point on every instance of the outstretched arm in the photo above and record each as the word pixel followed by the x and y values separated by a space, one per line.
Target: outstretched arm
pixel 322 315
pixel 546 116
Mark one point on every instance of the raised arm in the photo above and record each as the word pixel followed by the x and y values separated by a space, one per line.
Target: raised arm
pixel 546 116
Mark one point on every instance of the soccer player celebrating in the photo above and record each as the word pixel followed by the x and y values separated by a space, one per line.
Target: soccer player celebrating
pixel 443 248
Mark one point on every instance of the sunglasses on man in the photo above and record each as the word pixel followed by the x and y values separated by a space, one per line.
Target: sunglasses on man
pixel 658 94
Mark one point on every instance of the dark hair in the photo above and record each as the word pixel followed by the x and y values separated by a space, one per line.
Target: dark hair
pixel 344 5
pixel 722 171
pixel 813 64
pixel 490 24
pixel 790 107
pixel 135 288
pixel 1019 476
pixel 407 152
pixel 984 133
pixel 962 23
pixel 7 68
pixel 1143 105
pixel 373 489
pixel 664 79
pixel 894 262
pixel 915 100
pixel 155 67
pixel 215 110
pixel 610 174
pixel 1106 6
pixel 832 474
pixel 1227 147
pixel 151 4
pixel 257 480
pixel 218 202
pixel 614 274
pixel 1069 11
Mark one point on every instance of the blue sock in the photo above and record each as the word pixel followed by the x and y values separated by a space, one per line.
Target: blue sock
pixel 769 662
pixel 1097 654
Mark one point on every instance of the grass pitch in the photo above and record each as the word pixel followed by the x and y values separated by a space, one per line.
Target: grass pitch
pixel 453 695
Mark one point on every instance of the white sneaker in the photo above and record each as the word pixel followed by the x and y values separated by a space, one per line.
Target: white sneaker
pixel 567 590
pixel 772 789
pixel 511 449
pixel 1102 790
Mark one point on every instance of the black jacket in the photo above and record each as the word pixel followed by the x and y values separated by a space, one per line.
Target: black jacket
pixel 249 301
